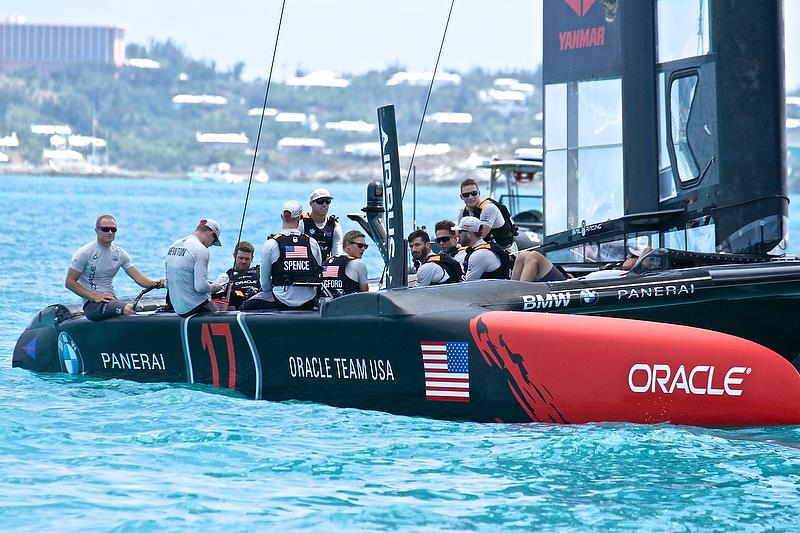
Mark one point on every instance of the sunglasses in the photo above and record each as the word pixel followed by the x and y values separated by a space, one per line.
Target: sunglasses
pixel 321 201
pixel 361 245
pixel 466 195
pixel 106 229
pixel 442 240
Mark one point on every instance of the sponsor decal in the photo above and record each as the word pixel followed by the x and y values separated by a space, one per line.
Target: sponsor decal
pixel 132 361
pixel 583 38
pixel 589 297
pixel 584 228
pixel 580 7
pixel 545 301
pixel 697 380
pixel 387 185
pixel 69 354
pixel 655 291
pixel 347 368
pixel 446 367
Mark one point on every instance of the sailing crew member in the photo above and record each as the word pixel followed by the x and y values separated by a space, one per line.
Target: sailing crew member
pixel 531 265
pixel 92 270
pixel 187 270
pixel 446 238
pixel 241 281
pixel 498 224
pixel 347 273
pixel 291 260
pixel 434 269
pixel 323 227
pixel 483 260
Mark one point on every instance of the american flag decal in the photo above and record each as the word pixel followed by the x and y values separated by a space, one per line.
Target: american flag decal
pixel 446 367
pixel 296 252
pixel 330 271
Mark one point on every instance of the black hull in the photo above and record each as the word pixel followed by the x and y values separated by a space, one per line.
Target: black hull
pixel 525 362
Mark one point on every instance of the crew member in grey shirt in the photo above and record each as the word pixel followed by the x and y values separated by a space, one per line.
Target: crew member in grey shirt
pixel 187 270
pixel 483 260
pixel 347 273
pixel 290 266
pixel 433 269
pixel 92 271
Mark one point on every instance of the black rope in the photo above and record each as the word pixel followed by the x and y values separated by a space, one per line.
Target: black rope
pixel 428 97
pixel 258 138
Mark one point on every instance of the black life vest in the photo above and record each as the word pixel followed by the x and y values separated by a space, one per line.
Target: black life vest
pixel 243 284
pixel 504 235
pixel 296 263
pixel 335 278
pixel 451 267
pixel 324 236
pixel 502 271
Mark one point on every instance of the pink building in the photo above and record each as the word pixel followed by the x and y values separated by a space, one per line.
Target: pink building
pixel 50 47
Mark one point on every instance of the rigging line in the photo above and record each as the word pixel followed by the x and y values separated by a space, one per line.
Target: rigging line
pixel 428 97
pixel 258 137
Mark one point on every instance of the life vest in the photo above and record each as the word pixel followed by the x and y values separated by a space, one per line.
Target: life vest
pixel 324 236
pixel 502 271
pixel 504 235
pixel 243 284
pixel 296 263
pixel 451 267
pixel 335 278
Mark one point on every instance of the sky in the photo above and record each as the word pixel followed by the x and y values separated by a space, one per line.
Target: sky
pixel 347 36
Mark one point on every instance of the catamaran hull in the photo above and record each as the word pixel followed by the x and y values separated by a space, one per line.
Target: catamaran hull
pixel 474 365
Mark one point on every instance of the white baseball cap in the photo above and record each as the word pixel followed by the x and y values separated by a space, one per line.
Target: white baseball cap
pixel 320 193
pixel 214 226
pixel 471 224
pixel 294 208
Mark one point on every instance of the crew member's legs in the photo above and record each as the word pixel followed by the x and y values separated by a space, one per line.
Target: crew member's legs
pixel 531 266
pixel 95 311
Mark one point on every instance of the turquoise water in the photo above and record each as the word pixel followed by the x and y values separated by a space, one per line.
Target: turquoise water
pixel 89 455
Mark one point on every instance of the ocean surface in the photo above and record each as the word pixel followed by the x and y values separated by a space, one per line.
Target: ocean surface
pixel 79 454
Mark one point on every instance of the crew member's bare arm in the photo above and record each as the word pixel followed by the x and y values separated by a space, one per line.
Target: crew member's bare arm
pixel 142 280
pixel 72 284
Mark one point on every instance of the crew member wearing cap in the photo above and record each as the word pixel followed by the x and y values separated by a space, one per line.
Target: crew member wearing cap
pixel 498 226
pixel 187 270
pixel 324 228
pixel 290 266
pixel 483 260
pixel 347 273
pixel 433 269
pixel 92 271
pixel 531 265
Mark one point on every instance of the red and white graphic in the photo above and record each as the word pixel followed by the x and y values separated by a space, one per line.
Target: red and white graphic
pixel 580 7
pixel 330 271
pixel 296 252
pixel 446 370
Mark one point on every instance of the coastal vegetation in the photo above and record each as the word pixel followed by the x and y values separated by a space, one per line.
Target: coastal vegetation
pixel 148 129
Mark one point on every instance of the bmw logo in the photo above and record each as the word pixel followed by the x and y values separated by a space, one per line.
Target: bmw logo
pixel 589 297
pixel 69 354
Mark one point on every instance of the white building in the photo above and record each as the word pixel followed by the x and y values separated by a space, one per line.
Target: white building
pixel 222 138
pixel 301 144
pixel 423 79
pixel 319 78
pixel 355 126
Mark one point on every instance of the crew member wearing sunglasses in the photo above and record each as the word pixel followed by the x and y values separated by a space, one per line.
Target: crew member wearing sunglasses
pixel 498 225
pixel 320 226
pixel 432 269
pixel 347 273
pixel 94 265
